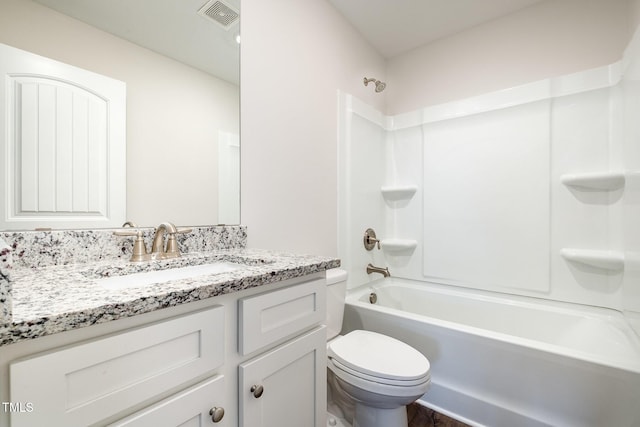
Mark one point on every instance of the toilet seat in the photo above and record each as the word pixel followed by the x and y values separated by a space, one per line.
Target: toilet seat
pixel 379 358
pixel 386 381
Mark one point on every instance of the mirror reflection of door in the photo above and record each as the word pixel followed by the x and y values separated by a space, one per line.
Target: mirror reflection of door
pixel 65 144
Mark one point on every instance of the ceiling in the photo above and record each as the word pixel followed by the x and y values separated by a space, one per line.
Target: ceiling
pixel 170 27
pixel 397 26
pixel 173 27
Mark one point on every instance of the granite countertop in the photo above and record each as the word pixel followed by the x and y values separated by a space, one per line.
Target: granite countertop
pixel 64 297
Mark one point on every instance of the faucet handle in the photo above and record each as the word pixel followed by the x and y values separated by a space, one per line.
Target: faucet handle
pixel 172 249
pixel 128 233
pixel 139 248
pixel 184 230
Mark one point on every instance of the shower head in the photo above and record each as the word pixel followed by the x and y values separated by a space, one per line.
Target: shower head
pixel 379 85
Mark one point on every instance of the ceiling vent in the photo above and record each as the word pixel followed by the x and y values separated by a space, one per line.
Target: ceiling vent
pixel 221 13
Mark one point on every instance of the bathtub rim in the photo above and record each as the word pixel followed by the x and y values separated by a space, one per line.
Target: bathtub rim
pixel 358 296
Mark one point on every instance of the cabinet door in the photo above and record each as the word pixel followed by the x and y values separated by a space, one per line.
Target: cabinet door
pixel 190 408
pixel 286 387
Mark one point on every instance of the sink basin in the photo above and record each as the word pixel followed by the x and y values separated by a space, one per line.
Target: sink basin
pixel 136 280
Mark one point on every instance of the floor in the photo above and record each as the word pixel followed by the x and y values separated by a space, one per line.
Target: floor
pixel 420 416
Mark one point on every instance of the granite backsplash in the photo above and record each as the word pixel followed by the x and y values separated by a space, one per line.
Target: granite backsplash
pixel 38 249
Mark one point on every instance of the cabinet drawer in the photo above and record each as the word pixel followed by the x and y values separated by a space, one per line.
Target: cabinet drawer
pixel 268 317
pixel 86 383
pixel 188 408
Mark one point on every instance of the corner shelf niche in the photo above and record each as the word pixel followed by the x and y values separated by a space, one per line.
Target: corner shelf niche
pixel 398 192
pixel 398 245
pixel 604 181
pixel 607 260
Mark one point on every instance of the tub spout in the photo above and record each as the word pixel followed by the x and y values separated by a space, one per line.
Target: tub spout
pixel 373 269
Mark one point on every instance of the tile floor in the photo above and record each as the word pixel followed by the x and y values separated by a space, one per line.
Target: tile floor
pixel 420 416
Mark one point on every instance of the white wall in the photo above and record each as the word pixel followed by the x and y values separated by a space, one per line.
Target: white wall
pixel 171 148
pixel 295 55
pixel 634 14
pixel 548 39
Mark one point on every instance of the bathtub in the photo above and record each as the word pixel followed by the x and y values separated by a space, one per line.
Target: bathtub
pixel 507 361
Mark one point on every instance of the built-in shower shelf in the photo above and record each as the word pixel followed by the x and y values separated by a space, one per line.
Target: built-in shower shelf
pixel 606 181
pixel 398 192
pixel 607 260
pixel 398 245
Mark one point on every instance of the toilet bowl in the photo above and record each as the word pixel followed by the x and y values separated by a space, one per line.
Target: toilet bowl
pixel 378 373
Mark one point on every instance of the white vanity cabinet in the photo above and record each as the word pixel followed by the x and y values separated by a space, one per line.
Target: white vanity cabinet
pixel 183 366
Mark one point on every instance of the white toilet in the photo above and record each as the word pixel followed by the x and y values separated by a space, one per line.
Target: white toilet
pixel 379 374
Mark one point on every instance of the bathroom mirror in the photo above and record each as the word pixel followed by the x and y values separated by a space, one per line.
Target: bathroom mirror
pixel 179 60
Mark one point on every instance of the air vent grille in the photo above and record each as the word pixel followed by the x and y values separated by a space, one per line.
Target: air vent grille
pixel 220 13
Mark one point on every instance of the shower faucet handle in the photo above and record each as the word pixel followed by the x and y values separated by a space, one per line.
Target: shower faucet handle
pixel 370 240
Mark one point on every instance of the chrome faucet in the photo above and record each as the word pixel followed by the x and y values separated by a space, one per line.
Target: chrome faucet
pixel 158 248
pixel 373 269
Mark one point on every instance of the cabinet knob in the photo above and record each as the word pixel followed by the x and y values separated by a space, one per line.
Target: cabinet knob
pixel 216 414
pixel 257 391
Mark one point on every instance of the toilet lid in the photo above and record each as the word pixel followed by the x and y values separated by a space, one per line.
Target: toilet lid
pixel 379 356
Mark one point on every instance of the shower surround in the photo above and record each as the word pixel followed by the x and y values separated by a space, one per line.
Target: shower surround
pixel 530 191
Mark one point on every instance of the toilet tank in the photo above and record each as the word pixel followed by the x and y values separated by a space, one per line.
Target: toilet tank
pixel 336 293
